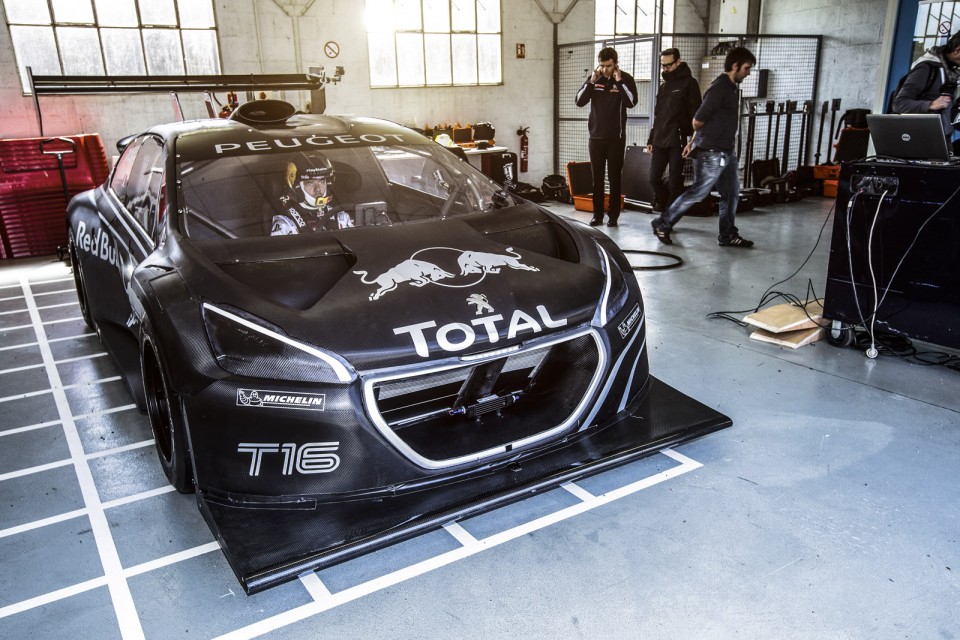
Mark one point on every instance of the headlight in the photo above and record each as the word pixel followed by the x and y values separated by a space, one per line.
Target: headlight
pixel 615 290
pixel 246 347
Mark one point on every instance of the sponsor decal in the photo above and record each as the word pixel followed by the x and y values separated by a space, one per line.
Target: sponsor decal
pixel 281 399
pixel 627 325
pixel 289 458
pixel 279 144
pixel 457 336
pixel 422 269
pixel 481 301
pixel 97 243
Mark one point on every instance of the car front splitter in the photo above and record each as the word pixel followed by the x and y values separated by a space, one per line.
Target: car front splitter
pixel 269 546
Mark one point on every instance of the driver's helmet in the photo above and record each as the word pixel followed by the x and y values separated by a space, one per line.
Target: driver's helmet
pixel 304 171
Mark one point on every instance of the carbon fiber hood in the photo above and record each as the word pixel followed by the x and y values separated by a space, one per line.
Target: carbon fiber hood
pixel 387 296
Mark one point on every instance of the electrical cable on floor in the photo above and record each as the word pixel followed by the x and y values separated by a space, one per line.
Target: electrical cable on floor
pixel 889 344
pixel 885 344
pixel 769 296
pixel 677 260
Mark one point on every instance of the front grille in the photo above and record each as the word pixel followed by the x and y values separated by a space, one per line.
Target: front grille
pixel 479 409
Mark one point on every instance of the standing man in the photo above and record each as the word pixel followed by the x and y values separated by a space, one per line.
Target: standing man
pixel 931 85
pixel 610 93
pixel 677 101
pixel 713 150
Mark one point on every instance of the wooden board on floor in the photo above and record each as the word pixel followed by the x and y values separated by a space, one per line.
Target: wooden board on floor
pixel 792 339
pixel 788 317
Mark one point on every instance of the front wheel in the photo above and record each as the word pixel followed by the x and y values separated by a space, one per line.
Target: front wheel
pixel 166 418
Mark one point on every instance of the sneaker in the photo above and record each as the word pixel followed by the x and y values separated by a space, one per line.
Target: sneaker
pixel 596 222
pixel 736 241
pixel 662 234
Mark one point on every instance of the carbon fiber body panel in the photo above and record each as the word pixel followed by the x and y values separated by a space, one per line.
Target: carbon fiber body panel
pixel 268 546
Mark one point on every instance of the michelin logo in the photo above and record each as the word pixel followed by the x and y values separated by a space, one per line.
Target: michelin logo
pixel 419 272
pixel 280 399
pixel 627 325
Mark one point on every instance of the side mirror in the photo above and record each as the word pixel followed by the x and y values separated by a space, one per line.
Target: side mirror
pixel 123 142
pixel 501 199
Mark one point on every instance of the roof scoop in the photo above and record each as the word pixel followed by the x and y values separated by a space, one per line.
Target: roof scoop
pixel 259 113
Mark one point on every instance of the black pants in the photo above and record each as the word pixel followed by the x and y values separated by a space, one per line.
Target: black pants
pixel 666 194
pixel 607 153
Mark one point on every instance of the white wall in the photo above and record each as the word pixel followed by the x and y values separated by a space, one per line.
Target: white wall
pixel 525 97
pixel 851 65
pixel 692 16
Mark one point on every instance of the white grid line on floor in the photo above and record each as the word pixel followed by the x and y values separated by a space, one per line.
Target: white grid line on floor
pixel 120 595
pixel 53 293
pixel 308 610
pixel 62 463
pixel 32 427
pixel 76 385
pixel 51 341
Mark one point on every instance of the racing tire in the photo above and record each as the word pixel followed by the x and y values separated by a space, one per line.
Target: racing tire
pixel 166 417
pixel 78 281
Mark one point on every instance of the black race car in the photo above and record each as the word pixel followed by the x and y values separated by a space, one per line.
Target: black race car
pixel 345 335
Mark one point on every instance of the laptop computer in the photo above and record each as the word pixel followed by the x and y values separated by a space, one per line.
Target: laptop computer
pixel 910 136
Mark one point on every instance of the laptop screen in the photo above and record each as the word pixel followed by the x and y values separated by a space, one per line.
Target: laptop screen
pixel 910 136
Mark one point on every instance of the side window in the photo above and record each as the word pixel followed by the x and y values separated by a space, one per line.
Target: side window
pixel 121 172
pixel 143 187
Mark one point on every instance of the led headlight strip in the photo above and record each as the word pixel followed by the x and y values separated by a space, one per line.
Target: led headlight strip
pixel 343 374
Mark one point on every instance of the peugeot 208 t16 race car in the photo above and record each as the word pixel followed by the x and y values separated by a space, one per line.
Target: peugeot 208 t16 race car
pixel 344 335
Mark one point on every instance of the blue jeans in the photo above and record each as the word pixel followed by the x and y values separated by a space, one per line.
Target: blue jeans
pixel 710 169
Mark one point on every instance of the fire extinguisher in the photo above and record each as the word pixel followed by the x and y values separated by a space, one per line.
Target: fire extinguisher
pixel 524 147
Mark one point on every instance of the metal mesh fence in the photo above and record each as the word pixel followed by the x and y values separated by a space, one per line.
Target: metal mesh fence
pixel 785 76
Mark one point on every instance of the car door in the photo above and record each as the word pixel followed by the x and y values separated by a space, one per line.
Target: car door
pixel 132 214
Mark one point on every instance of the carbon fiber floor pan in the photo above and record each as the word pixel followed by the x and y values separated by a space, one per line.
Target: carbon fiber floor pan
pixel 268 547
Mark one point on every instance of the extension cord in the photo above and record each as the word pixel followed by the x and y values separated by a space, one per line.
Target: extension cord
pixel 874 185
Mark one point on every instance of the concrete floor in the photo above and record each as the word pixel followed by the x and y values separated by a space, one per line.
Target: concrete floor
pixel 829 509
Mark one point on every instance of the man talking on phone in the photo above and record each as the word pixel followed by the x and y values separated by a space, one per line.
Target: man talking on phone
pixel 610 93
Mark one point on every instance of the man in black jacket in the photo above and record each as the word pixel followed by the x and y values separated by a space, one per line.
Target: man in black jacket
pixel 931 85
pixel 677 101
pixel 610 93
pixel 714 154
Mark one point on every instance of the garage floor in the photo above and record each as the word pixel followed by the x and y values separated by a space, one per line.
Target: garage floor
pixel 829 509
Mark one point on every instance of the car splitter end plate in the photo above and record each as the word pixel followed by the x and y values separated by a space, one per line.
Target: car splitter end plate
pixel 266 547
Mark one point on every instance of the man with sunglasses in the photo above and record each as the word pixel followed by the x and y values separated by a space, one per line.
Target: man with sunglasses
pixel 678 99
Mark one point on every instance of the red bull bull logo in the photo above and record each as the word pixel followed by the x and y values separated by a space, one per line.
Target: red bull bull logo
pixel 420 269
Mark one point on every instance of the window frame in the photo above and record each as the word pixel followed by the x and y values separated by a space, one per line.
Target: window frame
pixel 140 28
pixel 422 32
pixel 660 16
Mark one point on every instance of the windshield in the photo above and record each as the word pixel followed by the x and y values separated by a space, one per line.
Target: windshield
pixel 309 191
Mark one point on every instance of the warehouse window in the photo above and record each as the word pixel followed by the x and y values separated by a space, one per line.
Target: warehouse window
pixel 425 43
pixel 619 18
pixel 935 23
pixel 113 37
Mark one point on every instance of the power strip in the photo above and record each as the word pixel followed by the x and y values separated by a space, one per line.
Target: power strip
pixel 874 185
